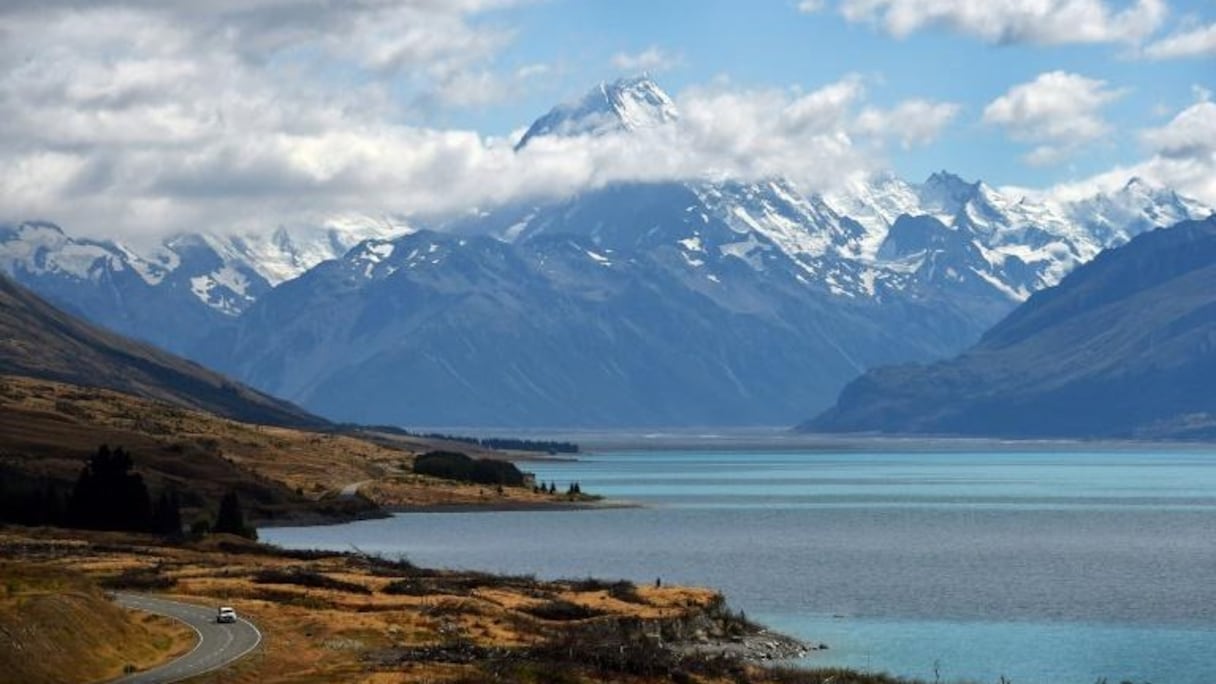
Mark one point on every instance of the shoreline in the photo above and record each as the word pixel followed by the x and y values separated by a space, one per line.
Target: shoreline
pixel 421 624
pixel 307 519
pixel 762 645
pixel 515 507
pixel 784 438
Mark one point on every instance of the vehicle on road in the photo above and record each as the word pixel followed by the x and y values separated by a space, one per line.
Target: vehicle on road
pixel 225 614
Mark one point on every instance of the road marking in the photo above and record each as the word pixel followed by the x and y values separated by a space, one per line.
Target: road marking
pixel 183 612
pixel 257 642
pixel 136 601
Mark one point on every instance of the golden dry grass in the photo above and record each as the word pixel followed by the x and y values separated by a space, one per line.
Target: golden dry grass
pixel 320 634
pixel 48 428
pixel 44 607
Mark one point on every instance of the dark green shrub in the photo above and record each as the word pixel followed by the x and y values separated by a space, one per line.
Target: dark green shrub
pixel 452 465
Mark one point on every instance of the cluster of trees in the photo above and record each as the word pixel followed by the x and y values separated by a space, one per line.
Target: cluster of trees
pixel 504 443
pixel 452 465
pixel 231 519
pixel 108 495
pixel 573 489
pixel 540 445
pixel 30 501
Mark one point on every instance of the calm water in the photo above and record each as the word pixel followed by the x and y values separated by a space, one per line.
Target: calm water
pixel 1040 567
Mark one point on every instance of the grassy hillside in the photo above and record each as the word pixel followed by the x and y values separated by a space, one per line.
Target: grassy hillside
pixel 38 340
pixel 339 617
pixel 48 429
pixel 56 625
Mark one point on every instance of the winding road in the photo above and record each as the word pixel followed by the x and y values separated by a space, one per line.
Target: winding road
pixel 218 645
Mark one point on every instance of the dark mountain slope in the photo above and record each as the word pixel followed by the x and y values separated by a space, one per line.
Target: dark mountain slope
pixel 1125 346
pixel 615 310
pixel 40 341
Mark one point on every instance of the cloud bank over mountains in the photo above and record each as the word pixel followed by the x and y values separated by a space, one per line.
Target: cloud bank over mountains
pixel 1181 154
pixel 141 117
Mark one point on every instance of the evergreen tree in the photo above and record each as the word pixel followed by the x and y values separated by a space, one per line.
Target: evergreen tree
pixel 167 515
pixel 231 519
pixel 29 502
pixel 108 496
pixel 200 528
pixel 48 509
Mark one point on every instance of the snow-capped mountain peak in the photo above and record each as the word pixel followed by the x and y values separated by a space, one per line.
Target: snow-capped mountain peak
pixel 42 249
pixel 226 272
pixel 880 257
pixel 1138 205
pixel 289 252
pixel 626 104
pixel 639 102
pixel 945 194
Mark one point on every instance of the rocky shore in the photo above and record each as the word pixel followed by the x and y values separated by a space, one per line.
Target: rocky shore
pixel 760 647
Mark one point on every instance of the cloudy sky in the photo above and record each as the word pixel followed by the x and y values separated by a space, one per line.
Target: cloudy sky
pixel 143 117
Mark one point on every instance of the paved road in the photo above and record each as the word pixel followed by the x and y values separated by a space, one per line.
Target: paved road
pixel 218 645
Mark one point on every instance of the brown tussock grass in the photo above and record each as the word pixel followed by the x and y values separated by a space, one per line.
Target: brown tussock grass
pixel 320 635
pixel 49 428
pixel 56 625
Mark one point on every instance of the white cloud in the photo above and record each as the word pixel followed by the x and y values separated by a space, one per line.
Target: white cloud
pixel 1190 135
pixel 810 6
pixel 1058 111
pixel 817 139
pixel 1015 21
pixel 533 71
pixel 1198 42
pixel 1048 155
pixel 651 60
pixel 767 132
pixel 914 122
pixel 143 117
pixel 1182 156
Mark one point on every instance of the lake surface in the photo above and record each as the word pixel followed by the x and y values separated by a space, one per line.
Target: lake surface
pixel 1040 567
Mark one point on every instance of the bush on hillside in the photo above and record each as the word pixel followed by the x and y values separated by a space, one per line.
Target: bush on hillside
pixel 451 465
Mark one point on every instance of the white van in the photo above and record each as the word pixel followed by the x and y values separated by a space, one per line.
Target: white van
pixel 225 614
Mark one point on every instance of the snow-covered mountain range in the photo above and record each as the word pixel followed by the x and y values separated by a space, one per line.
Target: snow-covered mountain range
pixel 698 302
pixel 181 288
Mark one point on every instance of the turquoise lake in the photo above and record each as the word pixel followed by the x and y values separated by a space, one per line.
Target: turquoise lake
pixel 1039 567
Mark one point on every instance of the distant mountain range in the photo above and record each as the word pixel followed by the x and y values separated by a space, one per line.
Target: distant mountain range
pixel 689 303
pixel 39 341
pixel 180 289
pixel 1124 347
